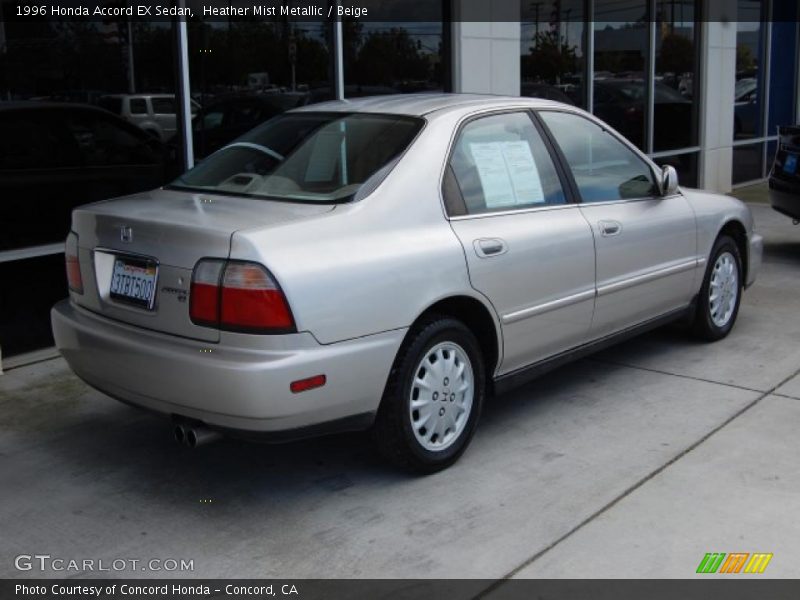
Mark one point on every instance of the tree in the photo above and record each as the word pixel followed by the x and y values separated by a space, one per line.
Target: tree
pixel 549 58
pixel 676 56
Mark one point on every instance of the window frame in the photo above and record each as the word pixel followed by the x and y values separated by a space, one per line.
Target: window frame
pixel 655 171
pixel 564 177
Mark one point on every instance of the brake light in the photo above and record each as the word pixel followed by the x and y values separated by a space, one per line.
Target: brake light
pixel 238 296
pixel 74 278
pixel 204 293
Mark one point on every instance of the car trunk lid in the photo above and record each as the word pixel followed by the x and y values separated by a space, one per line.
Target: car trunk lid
pixel 162 234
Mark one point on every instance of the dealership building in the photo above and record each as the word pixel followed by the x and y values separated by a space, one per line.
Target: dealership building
pixel 698 84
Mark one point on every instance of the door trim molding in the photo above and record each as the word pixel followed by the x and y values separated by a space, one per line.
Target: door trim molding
pixel 509 381
pixel 610 288
pixel 539 309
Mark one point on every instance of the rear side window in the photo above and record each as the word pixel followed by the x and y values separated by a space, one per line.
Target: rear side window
pixel 500 163
pixel 138 106
pixel 305 157
pixel 163 106
pixel 604 168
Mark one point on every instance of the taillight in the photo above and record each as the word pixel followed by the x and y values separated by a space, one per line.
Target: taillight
pixel 238 296
pixel 204 295
pixel 74 279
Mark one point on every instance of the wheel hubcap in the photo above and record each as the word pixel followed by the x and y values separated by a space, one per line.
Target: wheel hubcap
pixel 441 396
pixel 723 290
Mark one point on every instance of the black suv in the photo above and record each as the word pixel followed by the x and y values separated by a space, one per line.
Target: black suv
pixel 784 179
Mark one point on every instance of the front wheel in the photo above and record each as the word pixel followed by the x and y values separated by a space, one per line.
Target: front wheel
pixel 433 399
pixel 718 302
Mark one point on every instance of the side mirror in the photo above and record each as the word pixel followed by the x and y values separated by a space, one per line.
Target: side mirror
pixel 669 181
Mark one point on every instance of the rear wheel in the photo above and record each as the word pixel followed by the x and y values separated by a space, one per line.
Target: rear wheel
pixel 718 302
pixel 434 397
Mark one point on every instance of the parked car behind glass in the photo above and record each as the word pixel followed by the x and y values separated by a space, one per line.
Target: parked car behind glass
pixel 784 178
pixel 224 120
pixel 385 263
pixel 54 157
pixel 153 113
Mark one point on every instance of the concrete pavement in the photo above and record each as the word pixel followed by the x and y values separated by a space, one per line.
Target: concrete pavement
pixel 632 463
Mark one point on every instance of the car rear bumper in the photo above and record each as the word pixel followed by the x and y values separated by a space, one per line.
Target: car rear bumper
pixel 785 199
pixel 755 255
pixel 231 388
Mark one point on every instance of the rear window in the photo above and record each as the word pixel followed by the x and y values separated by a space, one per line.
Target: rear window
pixel 305 157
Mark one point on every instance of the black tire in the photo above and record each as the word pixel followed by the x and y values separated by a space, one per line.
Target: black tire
pixel 703 325
pixel 393 430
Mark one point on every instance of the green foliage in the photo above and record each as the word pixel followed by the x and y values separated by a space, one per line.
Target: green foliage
pixel 549 58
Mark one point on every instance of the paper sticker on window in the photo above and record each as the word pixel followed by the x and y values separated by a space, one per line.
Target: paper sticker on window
pixel 493 173
pixel 508 173
pixel 523 172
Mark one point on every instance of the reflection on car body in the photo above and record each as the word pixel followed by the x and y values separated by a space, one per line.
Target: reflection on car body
pixel 386 262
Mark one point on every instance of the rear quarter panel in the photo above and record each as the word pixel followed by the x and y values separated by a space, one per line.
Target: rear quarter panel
pixel 372 265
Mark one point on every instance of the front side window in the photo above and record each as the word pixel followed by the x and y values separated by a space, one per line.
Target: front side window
pixel 604 168
pixel 305 157
pixel 500 163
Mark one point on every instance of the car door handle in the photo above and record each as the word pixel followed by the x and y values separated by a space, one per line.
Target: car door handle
pixel 609 228
pixel 488 247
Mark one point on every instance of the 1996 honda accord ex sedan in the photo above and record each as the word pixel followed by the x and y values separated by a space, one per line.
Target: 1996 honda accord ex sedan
pixel 387 263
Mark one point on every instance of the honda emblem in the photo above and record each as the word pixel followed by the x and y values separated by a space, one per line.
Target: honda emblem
pixel 126 234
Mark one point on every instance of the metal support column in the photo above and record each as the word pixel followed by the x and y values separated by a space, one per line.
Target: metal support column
pixel 338 53
pixel 184 97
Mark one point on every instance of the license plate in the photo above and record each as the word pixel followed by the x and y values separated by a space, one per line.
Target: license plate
pixel 790 164
pixel 134 281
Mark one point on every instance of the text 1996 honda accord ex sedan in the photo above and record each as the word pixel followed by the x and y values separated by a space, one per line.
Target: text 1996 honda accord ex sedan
pixel 387 262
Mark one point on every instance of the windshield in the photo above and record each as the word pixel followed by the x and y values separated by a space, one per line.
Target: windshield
pixel 305 157
pixel 744 87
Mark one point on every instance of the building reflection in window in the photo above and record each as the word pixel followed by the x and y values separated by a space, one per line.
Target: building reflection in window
pixel 675 120
pixel 552 51
pixel 620 50
pixel 245 71
pixel 393 58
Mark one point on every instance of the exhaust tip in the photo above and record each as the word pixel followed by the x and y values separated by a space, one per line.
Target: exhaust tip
pixel 180 434
pixel 191 438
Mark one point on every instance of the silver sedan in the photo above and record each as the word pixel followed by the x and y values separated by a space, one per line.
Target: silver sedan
pixel 388 263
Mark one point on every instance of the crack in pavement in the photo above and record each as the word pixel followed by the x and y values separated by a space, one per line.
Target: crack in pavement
pixel 692 377
pixel 627 492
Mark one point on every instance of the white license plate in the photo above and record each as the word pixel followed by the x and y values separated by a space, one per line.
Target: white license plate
pixel 134 281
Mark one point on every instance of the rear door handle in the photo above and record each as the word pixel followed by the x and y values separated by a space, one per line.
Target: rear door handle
pixel 488 247
pixel 609 228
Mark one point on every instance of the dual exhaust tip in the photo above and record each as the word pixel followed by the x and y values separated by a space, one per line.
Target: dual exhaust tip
pixel 193 436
